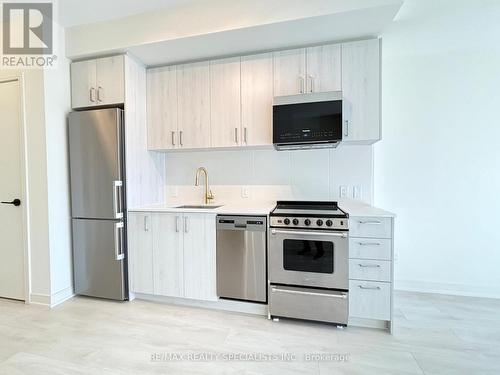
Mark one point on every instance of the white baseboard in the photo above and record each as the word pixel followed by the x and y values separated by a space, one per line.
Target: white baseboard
pixel 61 296
pixel 40 299
pixel 447 288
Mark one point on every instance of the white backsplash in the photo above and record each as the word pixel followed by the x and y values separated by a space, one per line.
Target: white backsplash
pixel 271 175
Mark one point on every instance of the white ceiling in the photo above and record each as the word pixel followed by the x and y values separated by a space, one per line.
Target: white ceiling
pixel 79 12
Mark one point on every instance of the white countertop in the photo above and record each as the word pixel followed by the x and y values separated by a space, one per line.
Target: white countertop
pixel 353 208
pixel 250 208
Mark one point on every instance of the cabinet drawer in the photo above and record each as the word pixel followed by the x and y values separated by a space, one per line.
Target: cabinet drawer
pixel 376 248
pixel 370 300
pixel 373 227
pixel 293 302
pixel 374 270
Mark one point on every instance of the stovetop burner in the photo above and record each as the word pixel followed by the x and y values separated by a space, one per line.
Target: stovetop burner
pixel 309 214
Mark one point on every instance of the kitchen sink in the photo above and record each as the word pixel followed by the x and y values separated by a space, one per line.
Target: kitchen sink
pixel 205 207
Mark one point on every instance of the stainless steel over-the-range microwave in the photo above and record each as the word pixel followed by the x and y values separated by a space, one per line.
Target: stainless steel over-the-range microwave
pixel 307 121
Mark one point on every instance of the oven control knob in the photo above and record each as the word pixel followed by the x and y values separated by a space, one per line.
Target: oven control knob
pixel 307 222
pixel 319 222
pixel 295 222
pixel 286 221
pixel 329 223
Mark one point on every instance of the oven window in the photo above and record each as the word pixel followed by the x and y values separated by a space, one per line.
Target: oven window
pixel 308 256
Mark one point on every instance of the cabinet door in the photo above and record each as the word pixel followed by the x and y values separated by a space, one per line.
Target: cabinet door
pixel 289 72
pixel 168 255
pixel 110 80
pixel 257 99
pixel 140 253
pixel 83 84
pixel 199 257
pixel 361 90
pixel 324 68
pixel 225 102
pixel 193 87
pixel 162 108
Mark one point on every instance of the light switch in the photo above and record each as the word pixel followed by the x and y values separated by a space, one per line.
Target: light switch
pixel 343 191
pixel 245 193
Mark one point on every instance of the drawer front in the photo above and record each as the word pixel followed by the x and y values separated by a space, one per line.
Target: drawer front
pixel 377 248
pixel 370 300
pixel 371 227
pixel 374 270
pixel 311 304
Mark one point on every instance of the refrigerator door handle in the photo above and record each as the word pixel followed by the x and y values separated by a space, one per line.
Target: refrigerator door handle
pixel 117 196
pixel 118 241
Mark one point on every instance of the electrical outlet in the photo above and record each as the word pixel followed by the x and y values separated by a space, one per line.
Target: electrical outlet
pixel 343 191
pixel 356 192
pixel 245 193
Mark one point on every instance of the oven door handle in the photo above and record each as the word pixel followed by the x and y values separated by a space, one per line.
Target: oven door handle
pixel 304 233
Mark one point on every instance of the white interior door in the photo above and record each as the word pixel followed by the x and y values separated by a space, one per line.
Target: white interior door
pixel 11 216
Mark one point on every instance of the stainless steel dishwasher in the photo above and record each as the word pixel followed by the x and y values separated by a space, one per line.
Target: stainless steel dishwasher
pixel 241 257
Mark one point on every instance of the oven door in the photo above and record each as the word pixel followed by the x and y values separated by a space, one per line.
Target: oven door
pixel 309 258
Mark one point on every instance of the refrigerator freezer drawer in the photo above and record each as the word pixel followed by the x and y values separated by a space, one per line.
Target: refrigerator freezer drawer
pixel 98 258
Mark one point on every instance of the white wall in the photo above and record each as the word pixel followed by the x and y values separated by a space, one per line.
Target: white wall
pixel 313 174
pixel 57 106
pixel 438 165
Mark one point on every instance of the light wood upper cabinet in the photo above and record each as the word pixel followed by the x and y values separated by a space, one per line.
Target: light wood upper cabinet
pixel 324 68
pixel 200 280
pixel 225 83
pixel 290 72
pixel 361 90
pixel 193 98
pixel 140 252
pixel 168 267
pixel 98 82
pixel 257 99
pixel 162 108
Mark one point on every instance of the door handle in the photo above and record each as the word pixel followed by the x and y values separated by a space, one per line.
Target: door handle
pixel 303 233
pixel 177 223
pixel 99 96
pixel 341 296
pixel 173 138
pixel 16 202
pixel 245 134
pixel 236 135
pixel 92 94
pixel 117 185
pixel 301 84
pixel 186 229
pixel 180 138
pixel 118 241
pixel 346 132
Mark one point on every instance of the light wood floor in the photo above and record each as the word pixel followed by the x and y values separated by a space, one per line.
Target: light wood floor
pixel 435 334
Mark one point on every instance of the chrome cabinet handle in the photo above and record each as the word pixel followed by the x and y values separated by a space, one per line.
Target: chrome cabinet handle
pixel 369 265
pixel 118 241
pixel 99 96
pixel 301 84
pixel 346 132
pixel 303 233
pixel 186 228
pixel 370 222
pixel 369 287
pixel 173 138
pixel 236 135
pixel 369 243
pixel 177 223
pixel 92 94
pixel 341 296
pixel 311 80
pixel 146 223
pixel 180 138
pixel 117 205
pixel 245 134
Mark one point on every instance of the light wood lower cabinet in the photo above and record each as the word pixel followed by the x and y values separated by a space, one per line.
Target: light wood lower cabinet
pixel 173 255
pixel 371 269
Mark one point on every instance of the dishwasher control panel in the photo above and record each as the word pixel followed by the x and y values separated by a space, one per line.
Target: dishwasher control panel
pixel 241 222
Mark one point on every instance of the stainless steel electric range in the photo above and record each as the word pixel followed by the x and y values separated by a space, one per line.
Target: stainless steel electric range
pixel 309 262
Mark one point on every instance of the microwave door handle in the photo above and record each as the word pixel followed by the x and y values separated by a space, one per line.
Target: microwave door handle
pixel 303 233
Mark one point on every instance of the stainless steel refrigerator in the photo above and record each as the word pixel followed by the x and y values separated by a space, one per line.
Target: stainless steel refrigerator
pixel 97 165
